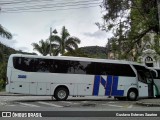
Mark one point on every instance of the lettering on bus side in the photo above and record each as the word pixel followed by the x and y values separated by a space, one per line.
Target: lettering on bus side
pixel 22 76
pixel 110 85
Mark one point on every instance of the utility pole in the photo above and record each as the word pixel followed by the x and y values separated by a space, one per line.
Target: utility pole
pixel 50 40
pixel 50 47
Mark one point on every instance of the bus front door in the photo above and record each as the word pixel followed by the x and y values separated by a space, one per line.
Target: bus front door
pixel 143 89
pixel 145 84
pixel 150 87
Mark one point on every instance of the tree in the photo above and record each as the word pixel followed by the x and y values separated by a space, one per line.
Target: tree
pixel 4 33
pixel 117 44
pixel 138 18
pixel 64 42
pixel 156 45
pixel 42 47
pixel 3 66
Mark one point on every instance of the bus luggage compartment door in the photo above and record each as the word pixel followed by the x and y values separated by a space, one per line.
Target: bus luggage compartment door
pixel 33 88
pixel 41 89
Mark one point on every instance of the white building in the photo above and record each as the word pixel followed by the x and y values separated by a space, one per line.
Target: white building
pixel 149 57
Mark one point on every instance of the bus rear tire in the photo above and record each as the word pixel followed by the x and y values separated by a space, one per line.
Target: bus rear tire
pixel 132 95
pixel 61 94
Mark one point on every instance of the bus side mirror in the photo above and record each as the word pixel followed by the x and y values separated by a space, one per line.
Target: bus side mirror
pixel 154 73
pixel 155 76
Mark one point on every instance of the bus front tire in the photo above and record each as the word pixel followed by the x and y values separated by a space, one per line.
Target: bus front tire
pixel 132 95
pixel 61 94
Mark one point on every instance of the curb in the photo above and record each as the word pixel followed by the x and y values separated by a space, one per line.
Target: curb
pixel 148 104
pixel 11 95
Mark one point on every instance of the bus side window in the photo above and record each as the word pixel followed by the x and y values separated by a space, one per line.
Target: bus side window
pixel 28 64
pixel 17 63
pixel 158 74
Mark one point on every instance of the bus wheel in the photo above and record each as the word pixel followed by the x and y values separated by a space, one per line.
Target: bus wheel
pixel 61 94
pixel 132 95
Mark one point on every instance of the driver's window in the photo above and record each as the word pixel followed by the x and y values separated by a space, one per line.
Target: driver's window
pixel 142 76
pixel 148 76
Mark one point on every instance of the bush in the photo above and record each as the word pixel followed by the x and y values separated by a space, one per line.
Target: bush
pixel 1 84
pixel 3 69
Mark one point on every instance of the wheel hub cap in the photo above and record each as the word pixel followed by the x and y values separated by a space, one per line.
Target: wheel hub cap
pixel 61 94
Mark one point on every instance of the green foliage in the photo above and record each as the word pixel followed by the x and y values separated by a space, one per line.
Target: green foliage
pixel 90 52
pixel 58 45
pixel 76 53
pixel 3 67
pixel 4 33
pixel 156 46
pixel 142 12
pixel 130 21
pixel 118 43
pixel 43 47
pixel 65 42
pixel 2 84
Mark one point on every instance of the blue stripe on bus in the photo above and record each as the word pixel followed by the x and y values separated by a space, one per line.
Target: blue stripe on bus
pixel 103 81
pixel 116 92
pixel 110 85
pixel 96 85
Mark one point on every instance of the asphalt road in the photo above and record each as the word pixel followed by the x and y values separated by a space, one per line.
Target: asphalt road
pixel 78 104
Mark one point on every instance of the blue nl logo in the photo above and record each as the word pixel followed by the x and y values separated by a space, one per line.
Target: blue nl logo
pixel 110 85
pixel 22 76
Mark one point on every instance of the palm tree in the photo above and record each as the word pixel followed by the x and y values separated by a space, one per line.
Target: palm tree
pixel 4 33
pixel 64 42
pixel 42 47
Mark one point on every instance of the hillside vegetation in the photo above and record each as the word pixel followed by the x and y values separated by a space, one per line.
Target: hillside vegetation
pixel 89 51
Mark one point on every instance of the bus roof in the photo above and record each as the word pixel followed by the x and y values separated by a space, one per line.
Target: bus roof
pixel 157 68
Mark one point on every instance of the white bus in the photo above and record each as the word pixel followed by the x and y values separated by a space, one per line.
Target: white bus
pixel 61 77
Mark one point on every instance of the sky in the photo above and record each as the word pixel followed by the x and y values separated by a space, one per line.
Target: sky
pixel 31 27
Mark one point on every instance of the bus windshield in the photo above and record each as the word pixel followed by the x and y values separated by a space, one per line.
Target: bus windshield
pixel 144 74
